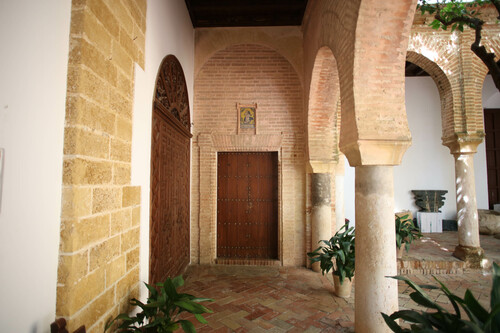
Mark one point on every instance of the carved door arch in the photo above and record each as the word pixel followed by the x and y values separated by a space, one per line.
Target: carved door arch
pixel 170 174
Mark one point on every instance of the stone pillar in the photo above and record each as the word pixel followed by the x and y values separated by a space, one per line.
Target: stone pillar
pixel 468 248
pixel 339 193
pixel 375 248
pixel 321 214
pixel 463 149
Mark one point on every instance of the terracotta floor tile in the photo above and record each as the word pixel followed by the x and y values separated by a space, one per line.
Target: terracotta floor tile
pixel 290 299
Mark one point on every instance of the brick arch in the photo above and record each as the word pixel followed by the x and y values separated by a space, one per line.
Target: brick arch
pixel 323 109
pixel 444 88
pixel 287 41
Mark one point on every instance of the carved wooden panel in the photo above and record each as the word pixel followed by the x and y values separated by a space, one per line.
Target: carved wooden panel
pixel 171 90
pixel 247 205
pixel 170 170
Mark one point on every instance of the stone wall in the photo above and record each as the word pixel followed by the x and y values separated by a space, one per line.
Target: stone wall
pixel 248 73
pixel 99 250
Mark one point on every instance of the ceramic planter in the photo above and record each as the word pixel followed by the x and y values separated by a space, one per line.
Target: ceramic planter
pixel 342 290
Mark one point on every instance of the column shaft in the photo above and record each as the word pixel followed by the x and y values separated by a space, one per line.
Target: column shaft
pixel 468 225
pixel 321 214
pixel 339 193
pixel 375 249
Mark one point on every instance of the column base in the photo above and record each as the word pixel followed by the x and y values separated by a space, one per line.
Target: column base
pixel 473 256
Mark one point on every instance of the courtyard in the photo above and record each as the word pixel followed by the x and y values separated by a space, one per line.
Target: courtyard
pixel 287 299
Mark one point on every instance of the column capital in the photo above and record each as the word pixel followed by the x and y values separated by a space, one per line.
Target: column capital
pixel 463 143
pixel 322 166
pixel 375 151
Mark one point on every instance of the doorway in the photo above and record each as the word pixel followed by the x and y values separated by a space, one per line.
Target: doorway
pixel 492 129
pixel 169 231
pixel 247 205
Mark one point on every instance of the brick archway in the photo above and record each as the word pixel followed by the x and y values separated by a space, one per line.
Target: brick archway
pixel 324 108
pixel 444 87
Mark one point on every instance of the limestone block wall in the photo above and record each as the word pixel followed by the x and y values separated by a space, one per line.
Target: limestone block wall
pixel 248 73
pixel 99 249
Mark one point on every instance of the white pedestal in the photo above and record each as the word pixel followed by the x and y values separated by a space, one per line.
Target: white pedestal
pixel 430 222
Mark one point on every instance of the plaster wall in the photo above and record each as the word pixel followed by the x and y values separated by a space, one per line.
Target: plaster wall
pixel 33 64
pixel 169 31
pixel 491 100
pixel 428 164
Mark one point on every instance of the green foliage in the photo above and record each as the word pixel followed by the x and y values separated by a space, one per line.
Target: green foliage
pixel 454 13
pixel 480 320
pixel 406 232
pixel 341 248
pixel 160 313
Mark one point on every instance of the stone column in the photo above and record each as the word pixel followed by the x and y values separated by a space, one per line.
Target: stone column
pixel 321 214
pixel 339 193
pixel 468 248
pixel 463 149
pixel 375 248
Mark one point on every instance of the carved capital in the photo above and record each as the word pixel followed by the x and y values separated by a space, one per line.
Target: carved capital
pixel 322 166
pixel 375 152
pixel 463 143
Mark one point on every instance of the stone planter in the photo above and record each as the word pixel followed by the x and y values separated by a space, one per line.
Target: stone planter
pixel 342 290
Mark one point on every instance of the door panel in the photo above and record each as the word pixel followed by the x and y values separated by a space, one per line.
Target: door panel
pixel 492 129
pixel 170 174
pixel 247 205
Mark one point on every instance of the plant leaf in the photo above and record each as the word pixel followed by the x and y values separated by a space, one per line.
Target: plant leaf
pixel 200 318
pixel 178 281
pixel 477 309
pixel 392 324
pixel 187 326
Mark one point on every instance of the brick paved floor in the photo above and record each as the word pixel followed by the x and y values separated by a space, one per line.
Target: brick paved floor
pixel 287 299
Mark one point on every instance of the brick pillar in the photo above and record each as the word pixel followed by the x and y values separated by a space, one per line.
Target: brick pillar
pixel 321 214
pixel 463 149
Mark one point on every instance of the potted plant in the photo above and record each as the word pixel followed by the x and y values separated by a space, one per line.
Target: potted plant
pixel 337 254
pixel 160 314
pixel 406 233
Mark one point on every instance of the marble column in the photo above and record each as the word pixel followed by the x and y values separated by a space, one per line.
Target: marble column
pixel 339 193
pixel 321 213
pixel 463 148
pixel 375 248
pixel 468 248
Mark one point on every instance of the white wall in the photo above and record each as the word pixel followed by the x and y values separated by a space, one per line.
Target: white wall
pixel 491 100
pixel 34 39
pixel 168 31
pixel 428 164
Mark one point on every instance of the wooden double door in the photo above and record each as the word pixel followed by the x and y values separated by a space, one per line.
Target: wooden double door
pixel 247 205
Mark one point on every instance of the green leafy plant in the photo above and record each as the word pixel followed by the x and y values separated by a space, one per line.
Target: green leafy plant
pixel 480 320
pixel 161 312
pixel 406 232
pixel 341 248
